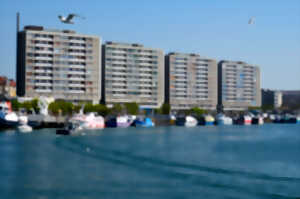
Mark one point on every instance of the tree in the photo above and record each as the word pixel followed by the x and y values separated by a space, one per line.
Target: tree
pixel 27 105
pixel 165 109
pixel 53 108
pixel 197 111
pixel 101 109
pixel 253 108
pixel 15 105
pixel 35 106
pixel 88 108
pixel 66 108
pixel 117 109
pixel 132 108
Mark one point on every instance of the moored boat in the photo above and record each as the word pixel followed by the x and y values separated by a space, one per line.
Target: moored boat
pixel 120 121
pixel 209 120
pixel 81 122
pixel 242 120
pixel 190 121
pixel 8 118
pixel 139 122
pixel 257 120
pixel 222 119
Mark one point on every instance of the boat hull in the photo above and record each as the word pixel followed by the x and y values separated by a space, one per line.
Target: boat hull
pixel 8 124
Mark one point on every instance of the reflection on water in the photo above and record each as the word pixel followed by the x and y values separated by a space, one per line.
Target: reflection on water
pixel 164 162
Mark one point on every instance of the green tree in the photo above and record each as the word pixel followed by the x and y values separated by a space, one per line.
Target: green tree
pixel 132 108
pixel 61 106
pixel 197 111
pixel 88 108
pixel 117 109
pixel 54 108
pixel 101 109
pixel 27 105
pixel 35 106
pixel 165 109
pixel 76 108
pixel 15 105
pixel 253 108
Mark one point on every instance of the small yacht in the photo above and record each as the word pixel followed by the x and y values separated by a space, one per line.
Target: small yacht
pixel 81 122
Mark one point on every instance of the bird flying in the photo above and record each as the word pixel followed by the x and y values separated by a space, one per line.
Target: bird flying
pixel 251 20
pixel 69 18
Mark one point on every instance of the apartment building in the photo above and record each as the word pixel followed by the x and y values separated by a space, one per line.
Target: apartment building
pixel 191 81
pixel 238 85
pixel 58 63
pixel 133 73
pixel 271 98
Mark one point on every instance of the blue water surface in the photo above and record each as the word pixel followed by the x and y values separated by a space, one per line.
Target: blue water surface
pixel 161 162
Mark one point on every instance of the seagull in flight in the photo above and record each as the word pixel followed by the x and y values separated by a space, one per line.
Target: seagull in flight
pixel 68 19
pixel 251 21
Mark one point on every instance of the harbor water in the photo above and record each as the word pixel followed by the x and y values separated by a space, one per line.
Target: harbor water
pixel 161 162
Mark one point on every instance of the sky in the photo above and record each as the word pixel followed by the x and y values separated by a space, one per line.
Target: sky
pixel 212 28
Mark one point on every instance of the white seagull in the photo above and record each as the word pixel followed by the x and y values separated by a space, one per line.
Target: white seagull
pixel 69 18
pixel 251 20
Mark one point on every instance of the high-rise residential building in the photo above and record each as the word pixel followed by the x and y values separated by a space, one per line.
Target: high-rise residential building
pixel 58 63
pixel 238 85
pixel 191 81
pixel 133 73
pixel 271 98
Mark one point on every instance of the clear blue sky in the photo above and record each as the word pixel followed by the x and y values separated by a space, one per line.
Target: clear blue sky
pixel 213 28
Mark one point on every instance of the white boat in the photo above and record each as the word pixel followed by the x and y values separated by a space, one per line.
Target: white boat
pixel 81 122
pixel 223 120
pixel 89 121
pixel 8 118
pixel 23 125
pixel 190 121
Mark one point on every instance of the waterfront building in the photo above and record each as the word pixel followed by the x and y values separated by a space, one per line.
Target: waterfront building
pixel 133 73
pixel 7 87
pixel 238 86
pixel 191 81
pixel 58 63
pixel 271 98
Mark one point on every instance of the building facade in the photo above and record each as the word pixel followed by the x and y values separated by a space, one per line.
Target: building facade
pixel 271 98
pixel 58 63
pixel 133 73
pixel 238 86
pixel 191 81
pixel 7 87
